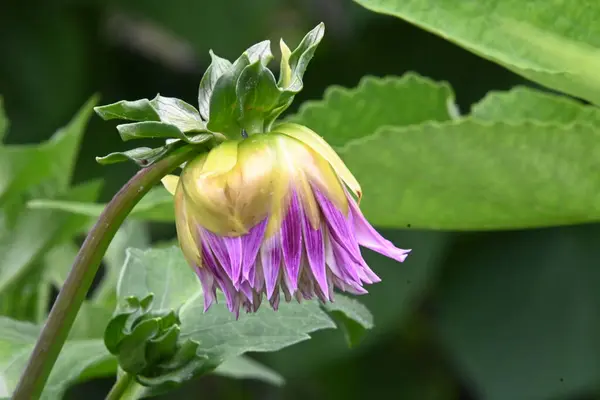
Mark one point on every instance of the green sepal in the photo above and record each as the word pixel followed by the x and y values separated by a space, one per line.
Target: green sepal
pixel 225 108
pixel 218 66
pixel 247 96
pixel 258 94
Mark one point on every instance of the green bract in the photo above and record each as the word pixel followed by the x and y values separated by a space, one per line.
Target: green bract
pixel 237 97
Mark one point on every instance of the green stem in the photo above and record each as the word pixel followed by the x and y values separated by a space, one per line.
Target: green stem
pixel 85 266
pixel 120 387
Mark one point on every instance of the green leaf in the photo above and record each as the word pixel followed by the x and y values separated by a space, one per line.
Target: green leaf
pixel 137 110
pixel 518 313
pixel 78 357
pixel 549 43
pixel 467 175
pixel 3 120
pixel 142 156
pixel 346 114
pixel 153 129
pixel 47 166
pixel 131 234
pixel 91 321
pixel 523 104
pixel 179 113
pixel 169 110
pixel 156 206
pixel 19 248
pixel 351 317
pixel 244 367
pixel 164 274
pixel 215 70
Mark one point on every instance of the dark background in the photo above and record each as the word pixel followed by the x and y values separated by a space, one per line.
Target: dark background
pixel 507 315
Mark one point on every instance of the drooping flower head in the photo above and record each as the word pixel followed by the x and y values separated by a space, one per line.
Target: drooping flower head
pixel 274 215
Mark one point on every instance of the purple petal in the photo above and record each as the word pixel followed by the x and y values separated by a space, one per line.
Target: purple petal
pixel 338 226
pixel 270 256
pixel 224 283
pixel 349 287
pixel 291 241
pixel 275 300
pixel 345 263
pixel 250 245
pixel 228 251
pixel 208 286
pixel 368 237
pixel 315 253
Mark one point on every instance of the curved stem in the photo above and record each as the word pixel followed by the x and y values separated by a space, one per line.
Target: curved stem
pixel 85 266
pixel 120 387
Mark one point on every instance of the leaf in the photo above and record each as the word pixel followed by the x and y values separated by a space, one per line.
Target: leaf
pixel 346 114
pixel 215 70
pixel 142 156
pixel 532 332
pixel 244 367
pixel 169 110
pixel 179 113
pixel 156 206
pixel 19 248
pixel 47 166
pixel 153 129
pixel 351 317
pixel 78 356
pixel 524 37
pixel 131 234
pixel 523 104
pixel 471 175
pixel 3 120
pixel 137 110
pixel 165 274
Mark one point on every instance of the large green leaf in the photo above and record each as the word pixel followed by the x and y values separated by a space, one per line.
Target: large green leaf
pixel 20 248
pixel 346 114
pixel 218 336
pixel 523 104
pixel 78 357
pixel 3 120
pixel 244 367
pixel 155 206
pixel 468 174
pixel 131 234
pixel 554 43
pixel 519 312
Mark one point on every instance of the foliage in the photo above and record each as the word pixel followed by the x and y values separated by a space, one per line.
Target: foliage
pixel 503 315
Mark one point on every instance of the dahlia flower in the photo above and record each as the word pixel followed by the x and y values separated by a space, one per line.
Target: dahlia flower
pixel 274 215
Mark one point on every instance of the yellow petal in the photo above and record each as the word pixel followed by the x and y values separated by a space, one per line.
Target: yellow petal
pixel 185 233
pixel 170 183
pixel 319 145
pixel 221 159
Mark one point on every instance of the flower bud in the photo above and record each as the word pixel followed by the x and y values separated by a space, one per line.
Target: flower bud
pixel 274 214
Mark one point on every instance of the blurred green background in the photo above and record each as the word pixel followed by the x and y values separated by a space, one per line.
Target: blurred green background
pixel 507 315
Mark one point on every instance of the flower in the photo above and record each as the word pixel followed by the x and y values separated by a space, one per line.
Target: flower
pixel 274 214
